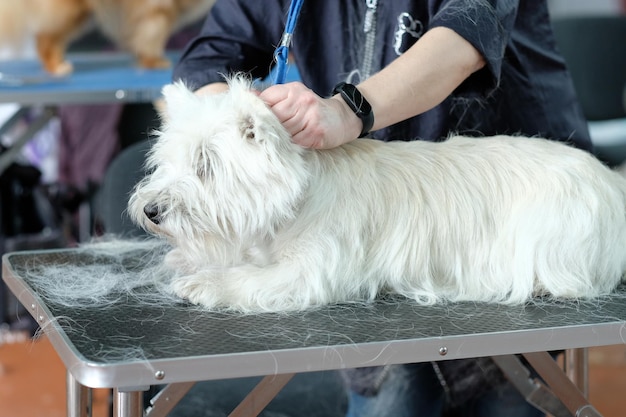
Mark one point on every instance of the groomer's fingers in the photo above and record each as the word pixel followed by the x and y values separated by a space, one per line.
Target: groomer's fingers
pixel 311 120
pixel 299 109
pixel 286 100
pixel 279 92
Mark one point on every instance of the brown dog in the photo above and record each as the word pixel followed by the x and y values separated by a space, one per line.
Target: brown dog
pixel 139 26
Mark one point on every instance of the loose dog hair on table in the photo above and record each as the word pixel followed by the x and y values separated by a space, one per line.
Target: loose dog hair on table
pixel 258 223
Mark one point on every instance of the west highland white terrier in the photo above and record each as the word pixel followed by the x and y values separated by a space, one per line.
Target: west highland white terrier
pixel 258 223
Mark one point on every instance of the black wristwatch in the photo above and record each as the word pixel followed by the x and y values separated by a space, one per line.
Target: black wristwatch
pixel 358 104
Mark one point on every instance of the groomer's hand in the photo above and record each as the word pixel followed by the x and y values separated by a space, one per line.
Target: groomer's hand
pixel 312 121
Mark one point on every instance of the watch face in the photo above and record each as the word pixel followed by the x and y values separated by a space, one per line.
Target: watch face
pixel 358 104
pixel 353 98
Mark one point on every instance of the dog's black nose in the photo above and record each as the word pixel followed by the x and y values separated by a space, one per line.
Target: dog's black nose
pixel 152 213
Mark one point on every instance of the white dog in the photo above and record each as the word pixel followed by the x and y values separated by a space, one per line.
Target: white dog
pixel 261 224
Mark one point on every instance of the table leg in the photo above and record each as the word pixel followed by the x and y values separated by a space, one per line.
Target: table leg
pixel 261 395
pixel 576 368
pixel 9 156
pixel 166 399
pixel 11 121
pixel 127 403
pixel 533 390
pixel 560 384
pixel 78 398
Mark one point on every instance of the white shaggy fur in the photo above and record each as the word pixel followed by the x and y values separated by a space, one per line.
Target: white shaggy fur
pixel 260 224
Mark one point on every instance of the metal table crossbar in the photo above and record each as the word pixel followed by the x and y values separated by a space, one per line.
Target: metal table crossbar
pixel 129 347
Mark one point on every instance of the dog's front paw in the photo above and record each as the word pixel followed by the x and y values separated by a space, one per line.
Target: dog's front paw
pixel 198 289
pixel 59 69
pixel 153 62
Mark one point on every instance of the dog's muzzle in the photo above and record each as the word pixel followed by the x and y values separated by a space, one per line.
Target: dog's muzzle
pixel 152 213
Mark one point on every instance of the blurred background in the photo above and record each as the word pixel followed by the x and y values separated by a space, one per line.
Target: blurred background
pixel 68 184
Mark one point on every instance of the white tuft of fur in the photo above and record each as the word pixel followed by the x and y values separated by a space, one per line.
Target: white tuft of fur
pixel 258 223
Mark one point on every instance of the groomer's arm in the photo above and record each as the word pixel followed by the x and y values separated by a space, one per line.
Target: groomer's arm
pixel 417 81
pixel 421 78
pixel 213 88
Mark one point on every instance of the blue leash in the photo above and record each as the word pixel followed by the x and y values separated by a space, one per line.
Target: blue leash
pixel 281 54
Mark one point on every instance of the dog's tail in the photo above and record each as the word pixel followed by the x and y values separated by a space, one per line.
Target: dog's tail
pixel 14 24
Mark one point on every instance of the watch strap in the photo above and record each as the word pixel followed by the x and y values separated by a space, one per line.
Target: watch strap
pixel 358 104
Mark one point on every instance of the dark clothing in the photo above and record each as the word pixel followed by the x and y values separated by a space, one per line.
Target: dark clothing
pixel 524 88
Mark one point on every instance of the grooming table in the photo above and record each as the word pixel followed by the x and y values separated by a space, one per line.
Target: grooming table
pixel 103 77
pixel 129 347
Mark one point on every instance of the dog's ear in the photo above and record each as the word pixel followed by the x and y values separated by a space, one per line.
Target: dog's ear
pixel 177 98
pixel 248 128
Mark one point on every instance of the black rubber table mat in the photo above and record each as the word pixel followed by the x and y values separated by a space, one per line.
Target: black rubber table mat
pixel 129 343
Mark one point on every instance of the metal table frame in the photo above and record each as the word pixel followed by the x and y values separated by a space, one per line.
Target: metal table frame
pixel 391 331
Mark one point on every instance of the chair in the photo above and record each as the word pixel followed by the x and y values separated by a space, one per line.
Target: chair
pixel 594 48
pixel 126 169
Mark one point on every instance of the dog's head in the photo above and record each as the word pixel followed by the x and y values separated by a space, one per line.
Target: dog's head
pixel 223 167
